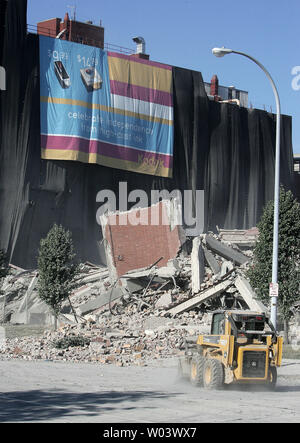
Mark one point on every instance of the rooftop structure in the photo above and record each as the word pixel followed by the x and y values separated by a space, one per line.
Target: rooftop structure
pixel 86 33
pixel 297 163
pixel 228 94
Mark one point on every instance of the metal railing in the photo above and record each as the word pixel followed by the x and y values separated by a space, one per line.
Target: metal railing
pixel 33 29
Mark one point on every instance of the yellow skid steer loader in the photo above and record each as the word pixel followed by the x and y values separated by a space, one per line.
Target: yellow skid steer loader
pixel 243 347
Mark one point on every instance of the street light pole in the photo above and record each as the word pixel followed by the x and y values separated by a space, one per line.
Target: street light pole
pixel 220 52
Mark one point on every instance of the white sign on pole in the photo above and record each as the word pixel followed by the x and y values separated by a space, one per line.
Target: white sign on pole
pixel 274 290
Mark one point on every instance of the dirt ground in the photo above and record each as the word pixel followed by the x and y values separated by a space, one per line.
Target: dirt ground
pixel 41 391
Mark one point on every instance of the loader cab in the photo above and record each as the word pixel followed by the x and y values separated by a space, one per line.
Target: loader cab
pixel 238 323
pixel 218 323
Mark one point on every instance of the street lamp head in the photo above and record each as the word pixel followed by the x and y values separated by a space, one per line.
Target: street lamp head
pixel 220 52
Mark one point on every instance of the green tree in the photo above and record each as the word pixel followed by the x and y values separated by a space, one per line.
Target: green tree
pixel 260 274
pixel 56 267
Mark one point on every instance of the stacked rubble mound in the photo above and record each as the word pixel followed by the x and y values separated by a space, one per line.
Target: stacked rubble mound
pixel 143 316
pixel 131 338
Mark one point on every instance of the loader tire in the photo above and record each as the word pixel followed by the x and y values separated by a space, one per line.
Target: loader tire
pixel 196 370
pixel 213 374
pixel 272 378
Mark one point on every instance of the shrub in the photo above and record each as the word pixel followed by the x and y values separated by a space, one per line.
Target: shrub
pixel 71 341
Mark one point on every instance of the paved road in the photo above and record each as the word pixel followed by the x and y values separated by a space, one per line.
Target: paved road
pixel 39 391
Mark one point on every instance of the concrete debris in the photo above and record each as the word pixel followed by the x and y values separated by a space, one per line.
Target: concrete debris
pixel 20 303
pixel 226 267
pixel 199 299
pixel 242 238
pixel 121 340
pixel 197 264
pixel 225 251
pixel 164 300
pixel 146 313
pixel 94 277
pixel 250 297
pixel 212 262
pixel 100 301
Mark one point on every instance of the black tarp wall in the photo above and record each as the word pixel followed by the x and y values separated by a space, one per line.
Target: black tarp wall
pixel 225 150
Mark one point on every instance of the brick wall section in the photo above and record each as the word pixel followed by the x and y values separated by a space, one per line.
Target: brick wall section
pixel 49 28
pixel 78 32
pixel 139 246
pixel 88 34
pixel 214 86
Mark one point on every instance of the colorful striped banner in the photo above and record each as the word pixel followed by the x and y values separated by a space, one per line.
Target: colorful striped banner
pixel 105 108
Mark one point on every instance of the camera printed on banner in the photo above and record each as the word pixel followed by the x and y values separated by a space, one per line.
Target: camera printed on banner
pixel 2 339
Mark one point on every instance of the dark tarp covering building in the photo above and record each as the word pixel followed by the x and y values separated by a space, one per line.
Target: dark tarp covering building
pixel 225 150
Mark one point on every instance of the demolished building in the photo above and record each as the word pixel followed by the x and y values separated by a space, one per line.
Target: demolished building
pixel 137 281
pixel 175 283
pixel 145 315
pixel 222 149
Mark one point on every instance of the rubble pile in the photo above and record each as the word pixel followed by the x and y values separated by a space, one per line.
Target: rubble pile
pixel 13 290
pixel 143 316
pixel 20 295
pixel 132 338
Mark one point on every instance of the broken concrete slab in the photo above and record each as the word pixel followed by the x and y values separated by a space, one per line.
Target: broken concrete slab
pixel 153 322
pixel 225 251
pixel 201 298
pixel 240 237
pixel 249 295
pixel 94 276
pixel 32 310
pixel 168 271
pixel 26 299
pixel 164 300
pixel 197 265
pixel 226 267
pixel 36 318
pixel 212 262
pixel 139 284
pixel 140 279
pixel 100 301
pixel 69 319
pixel 86 289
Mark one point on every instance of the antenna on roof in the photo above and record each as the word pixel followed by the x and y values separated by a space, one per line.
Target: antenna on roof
pixel 73 11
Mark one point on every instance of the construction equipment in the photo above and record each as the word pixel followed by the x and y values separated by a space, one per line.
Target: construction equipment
pixel 243 347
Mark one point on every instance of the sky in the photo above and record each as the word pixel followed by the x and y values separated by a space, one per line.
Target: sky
pixel 183 32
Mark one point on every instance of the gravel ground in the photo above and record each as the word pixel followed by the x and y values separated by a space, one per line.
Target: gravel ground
pixel 40 391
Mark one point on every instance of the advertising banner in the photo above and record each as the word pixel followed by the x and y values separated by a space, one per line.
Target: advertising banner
pixel 106 108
